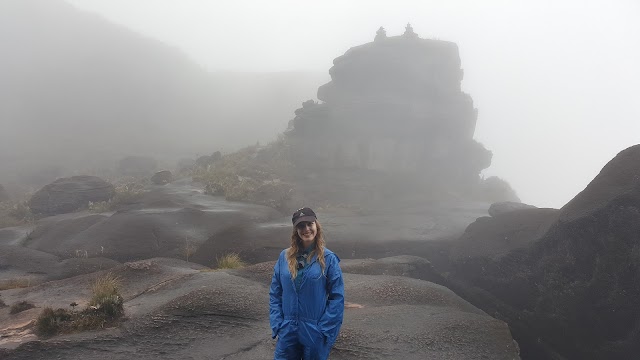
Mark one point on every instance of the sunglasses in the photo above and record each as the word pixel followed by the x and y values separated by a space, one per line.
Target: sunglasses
pixel 304 224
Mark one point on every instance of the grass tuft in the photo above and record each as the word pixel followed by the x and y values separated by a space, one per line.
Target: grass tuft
pixel 230 261
pixel 126 194
pixel 17 283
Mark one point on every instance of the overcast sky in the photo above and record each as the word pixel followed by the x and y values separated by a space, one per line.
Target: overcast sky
pixel 556 83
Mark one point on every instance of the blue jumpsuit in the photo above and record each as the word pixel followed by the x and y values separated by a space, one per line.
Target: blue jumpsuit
pixel 306 321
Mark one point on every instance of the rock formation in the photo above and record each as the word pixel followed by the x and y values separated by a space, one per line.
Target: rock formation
pixel 567 281
pixel 500 208
pixel 208 160
pixel 394 105
pixel 70 194
pixel 162 177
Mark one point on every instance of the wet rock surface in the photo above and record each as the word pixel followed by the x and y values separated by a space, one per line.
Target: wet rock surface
pixel 176 311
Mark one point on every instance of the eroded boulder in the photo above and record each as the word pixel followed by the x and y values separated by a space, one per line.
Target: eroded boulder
pixel 162 177
pixel 70 194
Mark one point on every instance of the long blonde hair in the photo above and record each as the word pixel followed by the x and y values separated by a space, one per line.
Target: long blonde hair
pixel 296 246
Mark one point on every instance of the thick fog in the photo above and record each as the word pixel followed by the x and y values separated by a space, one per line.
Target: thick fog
pixel 555 83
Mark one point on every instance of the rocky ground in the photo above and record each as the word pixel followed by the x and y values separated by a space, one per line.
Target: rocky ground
pixel 182 309
pixel 176 310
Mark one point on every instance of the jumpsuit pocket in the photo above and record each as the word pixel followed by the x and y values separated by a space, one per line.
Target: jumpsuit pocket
pixel 282 328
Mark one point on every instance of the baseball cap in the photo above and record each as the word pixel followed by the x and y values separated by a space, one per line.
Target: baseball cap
pixel 304 214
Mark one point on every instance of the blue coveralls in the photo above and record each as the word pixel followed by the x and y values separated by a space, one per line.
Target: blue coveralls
pixel 306 321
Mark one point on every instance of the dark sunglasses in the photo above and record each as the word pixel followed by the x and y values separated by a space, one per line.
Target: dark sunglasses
pixel 304 224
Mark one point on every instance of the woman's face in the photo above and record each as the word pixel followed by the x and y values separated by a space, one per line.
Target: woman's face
pixel 307 232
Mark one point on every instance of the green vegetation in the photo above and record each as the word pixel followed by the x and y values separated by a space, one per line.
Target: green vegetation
pixel 126 194
pixel 189 248
pixel 20 307
pixel 230 261
pixel 105 308
pixel 17 283
pixel 254 174
pixel 15 214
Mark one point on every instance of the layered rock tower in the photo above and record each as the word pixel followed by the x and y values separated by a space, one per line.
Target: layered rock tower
pixel 394 105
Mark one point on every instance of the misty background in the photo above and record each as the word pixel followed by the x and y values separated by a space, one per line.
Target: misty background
pixel 555 83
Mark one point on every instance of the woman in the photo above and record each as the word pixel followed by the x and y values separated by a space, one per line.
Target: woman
pixel 307 293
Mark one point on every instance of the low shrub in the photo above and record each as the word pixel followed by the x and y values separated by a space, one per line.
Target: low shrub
pixel 20 307
pixel 51 322
pixel 105 308
pixel 15 214
pixel 256 174
pixel 126 194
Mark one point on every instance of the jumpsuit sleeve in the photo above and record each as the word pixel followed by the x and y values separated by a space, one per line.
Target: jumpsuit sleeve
pixel 331 320
pixel 276 315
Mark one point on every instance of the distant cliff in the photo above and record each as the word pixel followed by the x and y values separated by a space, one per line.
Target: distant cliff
pixel 77 91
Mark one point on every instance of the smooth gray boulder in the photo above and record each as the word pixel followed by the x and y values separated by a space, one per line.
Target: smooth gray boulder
pixel 70 194
pixel 162 177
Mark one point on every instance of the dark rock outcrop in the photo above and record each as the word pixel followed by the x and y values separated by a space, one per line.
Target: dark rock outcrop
pixel 208 160
pixel 70 194
pixel 4 196
pixel 493 237
pixel 162 177
pixel 185 164
pixel 500 208
pixel 570 288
